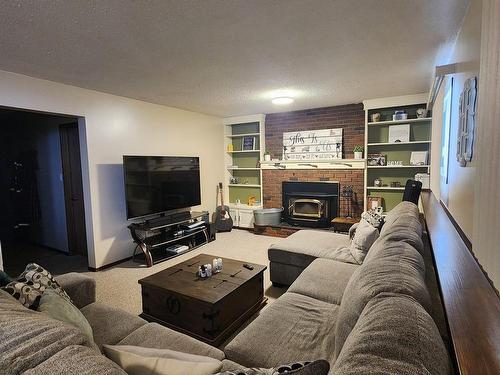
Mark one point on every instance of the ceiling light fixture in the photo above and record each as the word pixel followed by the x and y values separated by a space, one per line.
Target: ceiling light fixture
pixel 283 100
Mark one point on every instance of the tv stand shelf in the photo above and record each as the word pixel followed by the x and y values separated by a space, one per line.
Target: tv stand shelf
pixel 153 236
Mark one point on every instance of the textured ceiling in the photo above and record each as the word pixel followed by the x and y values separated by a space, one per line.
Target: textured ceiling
pixel 226 57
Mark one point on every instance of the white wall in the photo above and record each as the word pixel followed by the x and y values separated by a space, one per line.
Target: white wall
pixel 486 214
pixel 458 195
pixel 114 126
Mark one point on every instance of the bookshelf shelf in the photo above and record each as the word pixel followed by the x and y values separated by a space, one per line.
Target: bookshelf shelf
pixel 242 135
pixel 398 143
pixel 243 167
pixel 396 166
pixel 377 135
pixel 399 122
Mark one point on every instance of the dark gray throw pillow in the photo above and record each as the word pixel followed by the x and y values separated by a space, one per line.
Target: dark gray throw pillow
pixel 319 367
pixel 59 308
pixel 5 278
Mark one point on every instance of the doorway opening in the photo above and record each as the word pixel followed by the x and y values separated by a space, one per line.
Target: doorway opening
pixel 41 192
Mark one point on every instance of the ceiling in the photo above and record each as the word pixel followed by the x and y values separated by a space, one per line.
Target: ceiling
pixel 228 57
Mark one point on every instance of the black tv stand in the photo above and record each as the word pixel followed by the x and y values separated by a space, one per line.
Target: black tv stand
pixel 154 236
pixel 164 219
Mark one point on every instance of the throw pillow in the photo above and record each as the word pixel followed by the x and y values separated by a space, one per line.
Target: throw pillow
pixel 319 367
pixel 352 230
pixel 363 239
pixel 136 360
pixel 29 286
pixel 5 279
pixel 59 308
pixel 374 219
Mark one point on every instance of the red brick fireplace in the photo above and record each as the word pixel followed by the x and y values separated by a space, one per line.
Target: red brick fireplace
pixel 351 118
pixel 272 179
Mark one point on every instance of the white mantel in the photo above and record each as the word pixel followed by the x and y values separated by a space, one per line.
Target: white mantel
pixel 315 164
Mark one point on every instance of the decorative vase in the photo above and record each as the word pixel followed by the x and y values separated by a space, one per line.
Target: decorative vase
pixel 267 157
pixel 358 154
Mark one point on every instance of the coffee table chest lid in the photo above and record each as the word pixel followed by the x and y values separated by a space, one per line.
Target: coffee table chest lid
pixel 181 278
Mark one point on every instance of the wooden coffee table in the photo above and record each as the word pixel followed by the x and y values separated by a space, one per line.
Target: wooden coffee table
pixel 207 309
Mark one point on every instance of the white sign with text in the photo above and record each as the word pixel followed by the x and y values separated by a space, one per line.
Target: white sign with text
pixel 312 144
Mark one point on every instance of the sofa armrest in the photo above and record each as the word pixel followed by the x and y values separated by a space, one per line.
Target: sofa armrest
pixel 80 288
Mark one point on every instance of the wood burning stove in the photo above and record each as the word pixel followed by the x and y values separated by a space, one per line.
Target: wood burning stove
pixel 307 208
pixel 310 204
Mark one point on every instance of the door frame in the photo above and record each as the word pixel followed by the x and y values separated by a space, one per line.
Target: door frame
pixel 84 156
pixel 73 185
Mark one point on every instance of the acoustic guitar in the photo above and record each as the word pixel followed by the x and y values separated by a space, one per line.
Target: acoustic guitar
pixel 223 220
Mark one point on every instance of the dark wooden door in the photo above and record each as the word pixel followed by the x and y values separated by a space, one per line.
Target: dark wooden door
pixel 73 189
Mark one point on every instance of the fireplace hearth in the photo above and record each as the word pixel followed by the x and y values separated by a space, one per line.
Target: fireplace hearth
pixel 310 204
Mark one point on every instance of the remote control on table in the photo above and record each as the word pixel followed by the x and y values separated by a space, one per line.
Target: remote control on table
pixel 248 266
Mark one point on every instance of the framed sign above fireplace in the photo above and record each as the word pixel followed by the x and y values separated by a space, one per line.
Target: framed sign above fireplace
pixel 321 144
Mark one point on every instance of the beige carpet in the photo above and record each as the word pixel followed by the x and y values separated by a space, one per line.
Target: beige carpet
pixel 118 286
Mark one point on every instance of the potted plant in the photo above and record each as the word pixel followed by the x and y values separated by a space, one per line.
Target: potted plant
pixel 358 152
pixel 267 156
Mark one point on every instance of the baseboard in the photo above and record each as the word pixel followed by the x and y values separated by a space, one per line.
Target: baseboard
pixel 109 265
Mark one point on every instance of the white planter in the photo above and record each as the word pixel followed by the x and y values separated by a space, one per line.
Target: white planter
pixel 267 157
pixel 358 155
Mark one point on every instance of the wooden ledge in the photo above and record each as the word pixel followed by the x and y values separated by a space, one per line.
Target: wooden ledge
pixel 471 305
pixel 315 164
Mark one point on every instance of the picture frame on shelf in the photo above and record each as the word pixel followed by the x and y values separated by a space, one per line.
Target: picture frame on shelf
pixel 399 133
pixel 248 143
pixel 418 158
pixel 374 202
pixel 376 160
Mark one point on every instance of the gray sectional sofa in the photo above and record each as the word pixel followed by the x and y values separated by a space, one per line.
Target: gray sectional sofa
pixel 375 318
pixel 33 343
pixel 379 317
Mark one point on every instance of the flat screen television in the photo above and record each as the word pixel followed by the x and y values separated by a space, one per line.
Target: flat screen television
pixel 157 184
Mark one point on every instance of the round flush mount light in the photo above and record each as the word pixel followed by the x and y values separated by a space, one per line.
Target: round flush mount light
pixel 282 100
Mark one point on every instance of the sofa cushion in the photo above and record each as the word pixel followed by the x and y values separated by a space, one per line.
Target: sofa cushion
pixel 77 359
pixel 153 335
pixel 402 208
pixel 136 360
pixel 406 228
pixel 228 365
pixel 80 288
pixel 394 274
pixel 293 328
pixel 393 335
pixel 29 338
pixel 324 279
pixel 110 324
pixel 302 247
pixel 364 237
pixel 284 274
pixel 387 249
